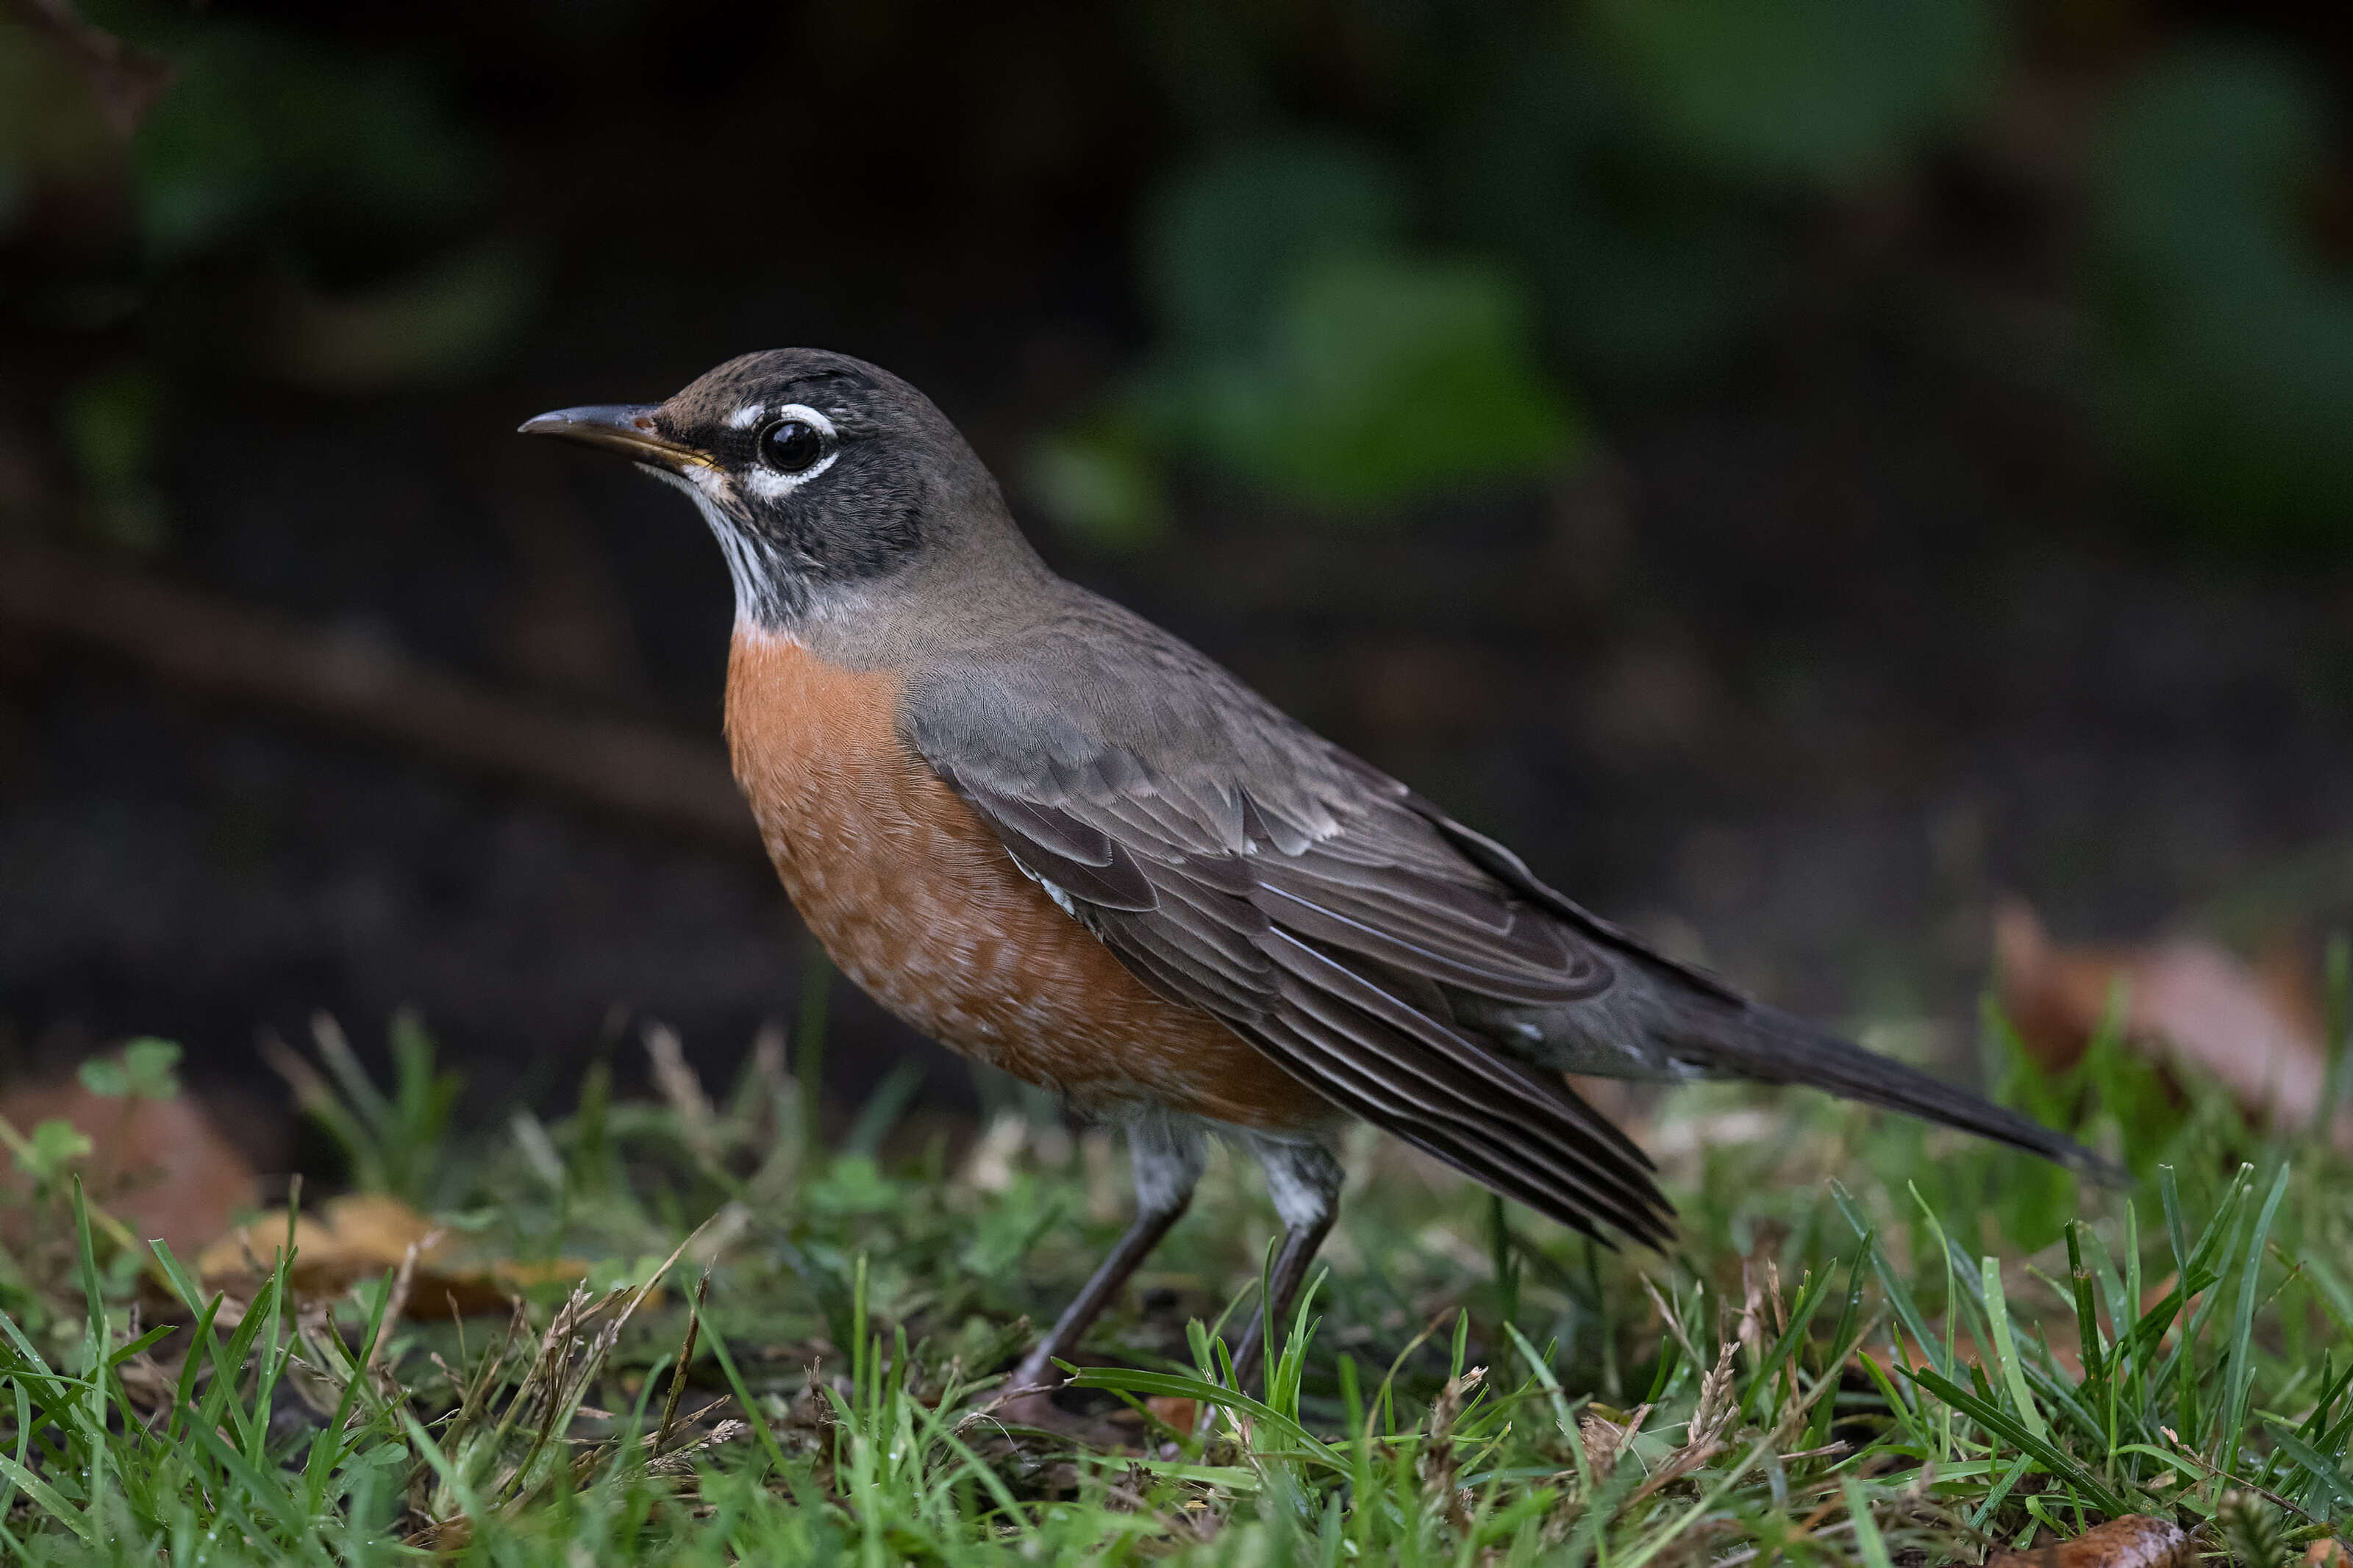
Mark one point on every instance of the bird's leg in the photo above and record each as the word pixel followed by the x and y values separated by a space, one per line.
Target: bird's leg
pixel 1167 1163
pixel 1305 1180
pixel 1038 1367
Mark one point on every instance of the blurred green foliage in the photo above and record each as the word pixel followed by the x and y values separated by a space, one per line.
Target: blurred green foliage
pixel 1390 249
pixel 260 132
pixel 397 1143
pixel 1617 180
pixel 1384 377
pixel 2230 332
pixel 1808 92
pixel 146 1068
pixel 108 423
pixel 53 1147
pixel 1227 236
pixel 338 169
pixel 1645 268
pixel 289 207
pixel 1312 350
pixel 1642 182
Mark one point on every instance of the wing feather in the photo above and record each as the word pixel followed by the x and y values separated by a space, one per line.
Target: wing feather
pixel 1314 912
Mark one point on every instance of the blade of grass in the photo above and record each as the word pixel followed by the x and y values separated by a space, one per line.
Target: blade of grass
pixel 751 1408
pixel 1811 1293
pixel 1897 1288
pixel 45 1496
pixel 1180 1386
pixel 99 1451
pixel 884 1108
pixel 2001 1490
pixel 2000 1421
pixel 2005 1347
pixel 2239 1366
pixel 808 1054
pixel 2314 1464
pixel 1869 1543
pixel 1660 1540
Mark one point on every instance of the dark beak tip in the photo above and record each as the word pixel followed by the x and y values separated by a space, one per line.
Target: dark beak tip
pixel 614 417
pixel 623 427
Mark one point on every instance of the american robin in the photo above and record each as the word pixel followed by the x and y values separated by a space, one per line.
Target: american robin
pixel 1061 841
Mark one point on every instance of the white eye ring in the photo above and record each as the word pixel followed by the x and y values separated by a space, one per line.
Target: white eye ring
pixel 766 482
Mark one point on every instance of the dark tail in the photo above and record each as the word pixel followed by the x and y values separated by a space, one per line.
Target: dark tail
pixel 1769 1045
pixel 1700 1019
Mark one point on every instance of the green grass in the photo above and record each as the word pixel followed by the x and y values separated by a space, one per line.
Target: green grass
pixel 1876 1343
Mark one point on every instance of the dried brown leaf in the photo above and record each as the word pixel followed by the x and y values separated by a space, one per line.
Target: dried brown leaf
pixel 2136 1540
pixel 1176 1414
pixel 358 1237
pixel 2188 1004
pixel 161 1167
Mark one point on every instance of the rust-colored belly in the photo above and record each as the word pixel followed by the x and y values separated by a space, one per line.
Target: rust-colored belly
pixel 916 900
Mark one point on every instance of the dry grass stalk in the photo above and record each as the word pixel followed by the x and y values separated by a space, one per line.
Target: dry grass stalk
pixel 1606 1440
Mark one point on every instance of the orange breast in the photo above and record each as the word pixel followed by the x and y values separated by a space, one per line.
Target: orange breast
pixel 916 900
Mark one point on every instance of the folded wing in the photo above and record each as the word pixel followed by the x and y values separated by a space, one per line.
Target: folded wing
pixel 1313 911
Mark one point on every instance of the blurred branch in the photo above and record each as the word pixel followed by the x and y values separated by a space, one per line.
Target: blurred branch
pixel 211 646
pixel 126 81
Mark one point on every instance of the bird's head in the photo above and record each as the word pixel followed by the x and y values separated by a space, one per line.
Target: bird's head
pixel 823 478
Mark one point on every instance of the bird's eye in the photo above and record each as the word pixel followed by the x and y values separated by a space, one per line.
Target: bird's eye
pixel 791 446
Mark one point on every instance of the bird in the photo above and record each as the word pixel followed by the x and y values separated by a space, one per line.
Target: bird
pixel 1063 842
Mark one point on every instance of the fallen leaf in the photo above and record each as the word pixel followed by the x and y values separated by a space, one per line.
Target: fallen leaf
pixel 2136 1540
pixel 358 1237
pixel 1176 1414
pixel 2187 1004
pixel 160 1166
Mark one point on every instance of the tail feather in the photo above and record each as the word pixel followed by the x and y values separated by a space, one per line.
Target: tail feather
pixel 1769 1045
pixel 1668 1015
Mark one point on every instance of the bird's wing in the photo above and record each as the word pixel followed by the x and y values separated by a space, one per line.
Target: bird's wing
pixel 1236 863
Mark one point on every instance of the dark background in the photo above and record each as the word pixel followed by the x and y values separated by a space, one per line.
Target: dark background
pixel 1800 470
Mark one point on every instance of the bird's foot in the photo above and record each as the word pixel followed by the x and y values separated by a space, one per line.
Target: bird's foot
pixel 1033 1410
pixel 1032 1406
pixel 1027 1399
